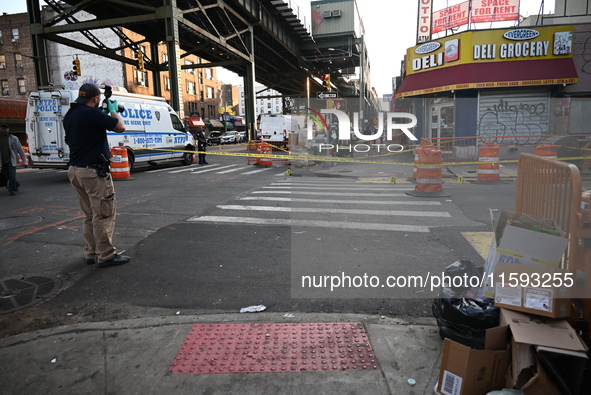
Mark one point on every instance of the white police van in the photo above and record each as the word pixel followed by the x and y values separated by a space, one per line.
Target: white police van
pixel 153 131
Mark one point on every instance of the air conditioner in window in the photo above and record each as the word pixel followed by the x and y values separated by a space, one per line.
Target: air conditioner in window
pixel 2 66
pixel 337 13
pixel 20 65
pixel 15 40
pixel 5 92
pixel 327 14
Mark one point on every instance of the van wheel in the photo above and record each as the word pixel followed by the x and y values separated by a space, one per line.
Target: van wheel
pixel 187 158
pixel 130 160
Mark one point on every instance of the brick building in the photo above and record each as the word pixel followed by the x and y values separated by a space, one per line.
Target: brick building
pixel 17 75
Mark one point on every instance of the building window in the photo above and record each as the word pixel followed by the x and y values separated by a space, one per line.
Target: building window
pixel 191 88
pixel 209 74
pixel 4 86
pixel 18 60
pixel 22 89
pixel 2 62
pixel 190 71
pixel 141 78
pixel 1 41
pixel 210 93
pixel 164 58
pixel 15 36
pixel 277 109
pixel 167 84
pixel 269 105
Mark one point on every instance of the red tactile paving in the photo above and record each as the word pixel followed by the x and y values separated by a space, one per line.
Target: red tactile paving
pixel 261 347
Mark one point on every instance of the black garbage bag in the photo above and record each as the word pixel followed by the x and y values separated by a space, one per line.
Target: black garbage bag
pixel 459 315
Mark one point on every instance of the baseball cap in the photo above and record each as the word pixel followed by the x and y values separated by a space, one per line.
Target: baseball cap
pixel 4 126
pixel 87 92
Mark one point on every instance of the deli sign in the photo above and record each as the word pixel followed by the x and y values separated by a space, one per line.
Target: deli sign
pixel 492 46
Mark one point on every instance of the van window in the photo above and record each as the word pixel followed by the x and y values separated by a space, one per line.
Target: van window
pixel 176 123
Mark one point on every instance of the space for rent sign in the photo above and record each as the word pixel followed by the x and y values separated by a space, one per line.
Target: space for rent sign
pixel 451 17
pixel 495 10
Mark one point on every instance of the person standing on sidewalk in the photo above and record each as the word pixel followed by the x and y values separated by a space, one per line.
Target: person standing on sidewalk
pixel 86 134
pixel 201 146
pixel 10 147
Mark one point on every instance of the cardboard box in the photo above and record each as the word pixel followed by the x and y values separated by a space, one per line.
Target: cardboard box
pixel 540 290
pixel 547 355
pixel 514 241
pixel 466 371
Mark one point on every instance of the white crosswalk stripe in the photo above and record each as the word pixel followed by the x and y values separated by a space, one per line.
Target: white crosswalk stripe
pixel 337 204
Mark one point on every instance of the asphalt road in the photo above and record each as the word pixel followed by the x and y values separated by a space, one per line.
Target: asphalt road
pixel 198 245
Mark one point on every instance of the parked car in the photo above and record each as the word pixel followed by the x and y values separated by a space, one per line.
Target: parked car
pixel 214 138
pixel 230 137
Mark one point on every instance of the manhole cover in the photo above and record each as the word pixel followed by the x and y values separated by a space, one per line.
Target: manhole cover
pixel 18 292
pixel 275 348
pixel 16 222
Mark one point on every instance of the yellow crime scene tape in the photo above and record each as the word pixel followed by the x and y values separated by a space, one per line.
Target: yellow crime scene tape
pixel 319 158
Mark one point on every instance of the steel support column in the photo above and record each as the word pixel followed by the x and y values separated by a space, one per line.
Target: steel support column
pixel 174 57
pixel 156 74
pixel 38 44
pixel 249 91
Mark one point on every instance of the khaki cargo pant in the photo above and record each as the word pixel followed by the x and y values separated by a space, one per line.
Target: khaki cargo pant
pixel 97 200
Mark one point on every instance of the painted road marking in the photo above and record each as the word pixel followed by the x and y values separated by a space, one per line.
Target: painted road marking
pixel 319 224
pixel 230 170
pixel 260 170
pixel 333 194
pixel 365 202
pixel 348 188
pixel 439 214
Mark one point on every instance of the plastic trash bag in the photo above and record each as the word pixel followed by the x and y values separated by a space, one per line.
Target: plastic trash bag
pixel 460 316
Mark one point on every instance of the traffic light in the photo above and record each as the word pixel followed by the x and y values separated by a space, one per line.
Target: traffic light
pixel 76 67
pixel 140 60
pixel 326 81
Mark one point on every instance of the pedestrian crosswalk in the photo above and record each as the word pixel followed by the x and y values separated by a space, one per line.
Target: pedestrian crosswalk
pixel 338 203
pixel 216 169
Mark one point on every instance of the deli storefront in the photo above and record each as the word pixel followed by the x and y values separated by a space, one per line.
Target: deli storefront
pixel 502 82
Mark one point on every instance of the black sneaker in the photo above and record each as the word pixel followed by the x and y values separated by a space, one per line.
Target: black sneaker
pixel 115 260
pixel 91 261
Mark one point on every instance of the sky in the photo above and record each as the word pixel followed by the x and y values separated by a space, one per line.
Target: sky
pixel 390 28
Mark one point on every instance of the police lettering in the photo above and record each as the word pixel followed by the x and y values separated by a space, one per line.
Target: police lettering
pixel 49 105
pixel 135 113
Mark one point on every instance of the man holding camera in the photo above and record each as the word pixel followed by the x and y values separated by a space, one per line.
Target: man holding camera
pixel 86 134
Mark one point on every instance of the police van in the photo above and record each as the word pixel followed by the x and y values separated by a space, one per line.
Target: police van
pixel 153 131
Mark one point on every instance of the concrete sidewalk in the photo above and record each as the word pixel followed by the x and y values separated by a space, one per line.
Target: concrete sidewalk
pixel 135 357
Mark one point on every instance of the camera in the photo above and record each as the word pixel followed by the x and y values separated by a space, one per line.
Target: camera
pixel 108 93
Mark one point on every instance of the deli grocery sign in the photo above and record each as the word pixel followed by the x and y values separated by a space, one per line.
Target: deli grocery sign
pixel 492 46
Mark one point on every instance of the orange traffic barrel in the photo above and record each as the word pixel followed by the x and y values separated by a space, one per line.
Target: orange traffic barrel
pixel 264 149
pixel 119 163
pixel 547 150
pixel 20 161
pixel 488 163
pixel 429 181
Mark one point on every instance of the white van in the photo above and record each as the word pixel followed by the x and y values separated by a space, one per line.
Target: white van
pixel 278 127
pixel 153 131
